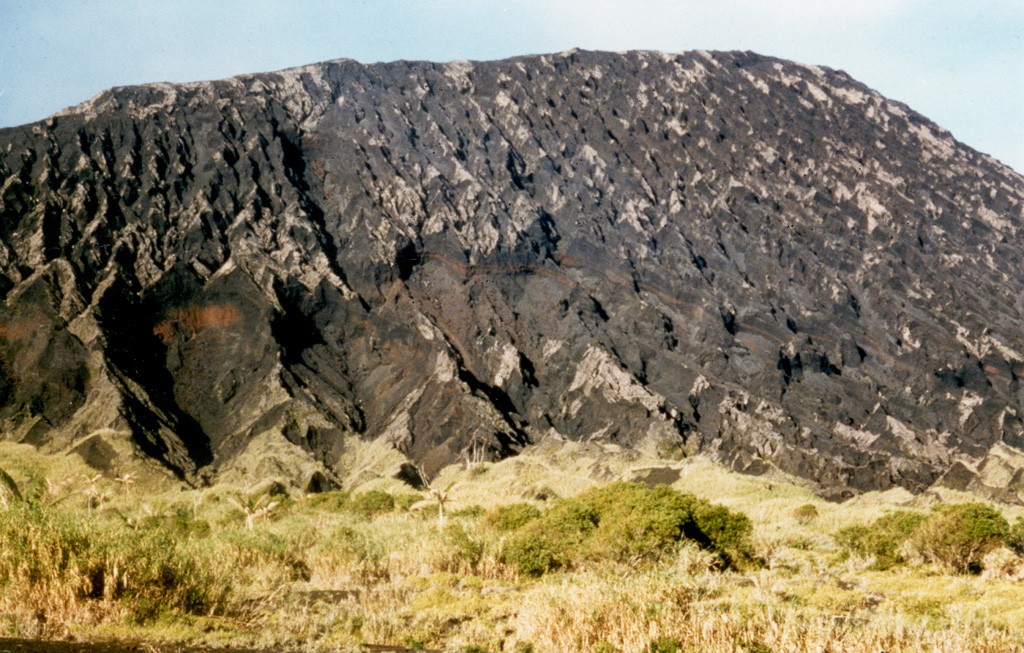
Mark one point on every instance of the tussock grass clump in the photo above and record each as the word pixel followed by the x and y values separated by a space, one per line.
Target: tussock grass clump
pixel 625 523
pixel 270 554
pixel 464 552
pixel 347 556
pixel 152 573
pixel 57 570
pixel 178 522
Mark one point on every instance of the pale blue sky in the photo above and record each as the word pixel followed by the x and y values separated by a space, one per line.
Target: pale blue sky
pixel 959 62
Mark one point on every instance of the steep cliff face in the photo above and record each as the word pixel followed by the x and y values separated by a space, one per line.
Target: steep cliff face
pixel 710 252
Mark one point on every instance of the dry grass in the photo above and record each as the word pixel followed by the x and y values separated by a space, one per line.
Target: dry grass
pixel 313 575
pixel 714 614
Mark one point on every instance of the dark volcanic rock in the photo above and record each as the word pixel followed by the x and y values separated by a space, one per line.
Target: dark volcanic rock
pixel 708 252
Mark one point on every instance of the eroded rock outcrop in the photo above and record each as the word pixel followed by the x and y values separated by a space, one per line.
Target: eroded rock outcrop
pixel 709 252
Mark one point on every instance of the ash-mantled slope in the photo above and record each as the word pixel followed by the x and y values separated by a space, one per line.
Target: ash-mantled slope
pixel 709 252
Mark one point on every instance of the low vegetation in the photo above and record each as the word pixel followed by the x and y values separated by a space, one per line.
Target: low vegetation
pixel 955 537
pixel 883 542
pixel 624 523
pixel 715 562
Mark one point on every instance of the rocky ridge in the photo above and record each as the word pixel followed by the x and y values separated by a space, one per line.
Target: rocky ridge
pixel 718 253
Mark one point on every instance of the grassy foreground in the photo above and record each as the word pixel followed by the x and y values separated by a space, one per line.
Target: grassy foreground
pixel 104 558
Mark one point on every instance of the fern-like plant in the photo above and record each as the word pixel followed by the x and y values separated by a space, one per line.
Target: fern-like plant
pixel 37 491
pixel 9 491
pixel 253 508
pixel 442 498
pixel 126 481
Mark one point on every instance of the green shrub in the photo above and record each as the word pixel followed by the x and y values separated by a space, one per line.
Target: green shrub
pixel 406 500
pixel 1015 537
pixel 883 539
pixel 372 503
pixel 513 516
pixel 464 552
pixel 854 539
pixel 956 537
pixel 721 530
pixel 551 542
pixel 474 511
pixel 531 553
pixel 626 523
pixel 805 514
pixel 637 522
pixel 333 501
